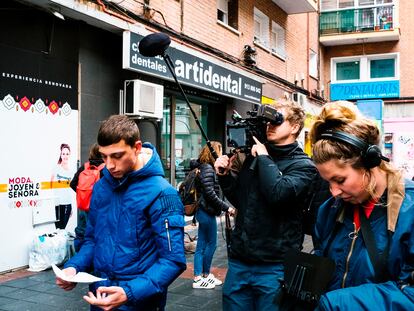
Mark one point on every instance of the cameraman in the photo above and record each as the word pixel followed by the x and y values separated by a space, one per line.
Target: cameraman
pixel 268 196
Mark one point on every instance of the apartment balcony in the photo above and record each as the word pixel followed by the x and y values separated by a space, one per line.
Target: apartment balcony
pixel 297 6
pixel 374 24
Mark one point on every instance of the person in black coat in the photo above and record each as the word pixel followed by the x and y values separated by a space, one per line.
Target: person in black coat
pixel 210 206
pixel 268 191
pixel 96 160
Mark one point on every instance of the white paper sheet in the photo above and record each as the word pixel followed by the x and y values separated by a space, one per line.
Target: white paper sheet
pixel 80 277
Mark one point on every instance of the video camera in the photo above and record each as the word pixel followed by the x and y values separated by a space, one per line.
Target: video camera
pixel 240 131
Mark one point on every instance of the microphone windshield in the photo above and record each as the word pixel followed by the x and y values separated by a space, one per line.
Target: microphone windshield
pixel 154 44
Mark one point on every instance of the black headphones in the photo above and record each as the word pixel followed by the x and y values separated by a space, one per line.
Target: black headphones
pixel 371 155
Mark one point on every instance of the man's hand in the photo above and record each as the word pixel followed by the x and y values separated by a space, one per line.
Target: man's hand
pixel 65 284
pixel 107 298
pixel 232 211
pixel 223 164
pixel 258 148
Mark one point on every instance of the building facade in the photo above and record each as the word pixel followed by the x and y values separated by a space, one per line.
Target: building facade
pixel 69 64
pixel 366 58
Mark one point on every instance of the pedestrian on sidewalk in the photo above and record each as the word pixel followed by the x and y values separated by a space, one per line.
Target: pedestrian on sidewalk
pixel 211 204
pixel 367 228
pixel 134 236
pixel 268 193
pixel 95 160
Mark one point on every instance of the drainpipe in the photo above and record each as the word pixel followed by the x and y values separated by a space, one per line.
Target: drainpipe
pixel 182 16
pixel 110 12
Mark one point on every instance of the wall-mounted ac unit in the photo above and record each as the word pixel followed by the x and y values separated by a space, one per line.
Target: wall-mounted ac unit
pixel 143 99
pixel 299 98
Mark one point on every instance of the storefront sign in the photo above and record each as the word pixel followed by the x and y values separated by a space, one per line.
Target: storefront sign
pixel 191 70
pixel 365 90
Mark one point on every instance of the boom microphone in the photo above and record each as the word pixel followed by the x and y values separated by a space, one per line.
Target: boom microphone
pixel 154 44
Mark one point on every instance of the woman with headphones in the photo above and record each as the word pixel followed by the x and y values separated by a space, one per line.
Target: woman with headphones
pixel 367 227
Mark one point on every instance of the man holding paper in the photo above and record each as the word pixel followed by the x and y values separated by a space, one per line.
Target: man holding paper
pixel 134 238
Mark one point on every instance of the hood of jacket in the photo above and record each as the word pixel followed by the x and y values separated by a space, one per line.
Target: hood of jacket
pixel 152 167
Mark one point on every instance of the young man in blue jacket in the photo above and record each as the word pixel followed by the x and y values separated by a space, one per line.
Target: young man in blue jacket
pixel 134 236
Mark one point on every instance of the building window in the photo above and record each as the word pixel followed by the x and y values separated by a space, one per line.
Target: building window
pixel 347 71
pixel 327 5
pixel 261 28
pixel 313 64
pixel 365 68
pixel 345 4
pixel 223 11
pixel 278 40
pixel 227 12
pixel 382 68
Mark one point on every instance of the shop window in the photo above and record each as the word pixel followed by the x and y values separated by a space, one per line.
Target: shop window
pixel 347 70
pixel 278 40
pixel 382 68
pixel 181 138
pixel 261 28
pixel 227 12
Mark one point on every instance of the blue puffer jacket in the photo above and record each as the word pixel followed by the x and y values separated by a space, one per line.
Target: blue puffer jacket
pixel 360 292
pixel 134 237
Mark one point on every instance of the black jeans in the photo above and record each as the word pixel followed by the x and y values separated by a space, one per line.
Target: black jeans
pixel 62 215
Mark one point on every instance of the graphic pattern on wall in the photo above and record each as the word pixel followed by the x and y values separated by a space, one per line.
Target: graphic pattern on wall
pixel 39 106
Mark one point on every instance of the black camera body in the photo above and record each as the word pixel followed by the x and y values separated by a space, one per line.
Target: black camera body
pixel 240 131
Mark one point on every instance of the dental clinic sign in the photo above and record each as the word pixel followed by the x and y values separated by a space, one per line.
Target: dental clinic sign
pixel 191 70
pixel 365 90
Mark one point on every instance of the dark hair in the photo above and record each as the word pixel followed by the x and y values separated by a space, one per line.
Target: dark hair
pixel 62 146
pixel 116 128
pixel 94 153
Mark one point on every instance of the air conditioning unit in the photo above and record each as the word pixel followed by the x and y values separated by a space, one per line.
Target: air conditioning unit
pixel 143 99
pixel 299 98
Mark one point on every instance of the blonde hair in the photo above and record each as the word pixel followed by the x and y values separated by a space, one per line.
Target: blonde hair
pixel 205 154
pixel 294 112
pixel 344 116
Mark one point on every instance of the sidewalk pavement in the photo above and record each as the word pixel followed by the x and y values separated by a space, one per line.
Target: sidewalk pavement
pixel 36 291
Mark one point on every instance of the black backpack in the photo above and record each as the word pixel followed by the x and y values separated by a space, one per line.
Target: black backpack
pixel 189 192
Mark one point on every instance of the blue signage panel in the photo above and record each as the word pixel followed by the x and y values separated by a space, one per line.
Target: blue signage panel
pixel 365 90
pixel 191 70
pixel 371 108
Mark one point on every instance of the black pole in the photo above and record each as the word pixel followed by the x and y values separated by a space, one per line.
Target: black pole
pixel 170 66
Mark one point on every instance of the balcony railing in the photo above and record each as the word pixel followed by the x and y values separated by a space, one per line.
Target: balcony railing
pixel 357 20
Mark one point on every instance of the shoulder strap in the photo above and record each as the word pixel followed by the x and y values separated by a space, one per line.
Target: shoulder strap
pixel 378 261
pixel 101 166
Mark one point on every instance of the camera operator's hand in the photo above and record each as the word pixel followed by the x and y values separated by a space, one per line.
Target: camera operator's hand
pixel 232 211
pixel 258 148
pixel 223 164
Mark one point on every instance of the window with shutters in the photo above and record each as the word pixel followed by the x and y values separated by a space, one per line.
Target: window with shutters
pixel 330 5
pixel 313 64
pixel 261 28
pixel 278 40
pixel 227 12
